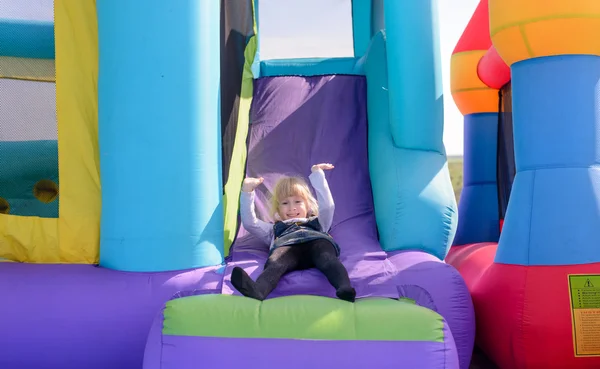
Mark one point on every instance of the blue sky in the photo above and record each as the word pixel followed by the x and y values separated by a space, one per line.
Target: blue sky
pixel 296 28
pixel 305 28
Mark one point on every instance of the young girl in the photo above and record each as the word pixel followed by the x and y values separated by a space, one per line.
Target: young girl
pixel 298 239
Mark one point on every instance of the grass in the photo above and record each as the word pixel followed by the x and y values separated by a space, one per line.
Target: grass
pixel 455 166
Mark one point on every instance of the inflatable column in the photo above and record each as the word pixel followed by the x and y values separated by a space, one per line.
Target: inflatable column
pixel 554 218
pixel 478 102
pixel 423 215
pixel 159 134
pixel 538 305
pixel 361 25
pixel 416 95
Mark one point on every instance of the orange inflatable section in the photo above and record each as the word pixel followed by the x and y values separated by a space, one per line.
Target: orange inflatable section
pixel 525 29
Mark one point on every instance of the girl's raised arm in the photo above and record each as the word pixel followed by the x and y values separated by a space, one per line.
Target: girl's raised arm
pixel 258 228
pixel 324 197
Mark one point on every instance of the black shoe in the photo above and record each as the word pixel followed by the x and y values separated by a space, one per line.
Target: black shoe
pixel 244 284
pixel 346 293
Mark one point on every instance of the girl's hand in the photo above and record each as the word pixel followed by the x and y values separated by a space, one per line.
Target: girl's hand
pixel 322 166
pixel 251 183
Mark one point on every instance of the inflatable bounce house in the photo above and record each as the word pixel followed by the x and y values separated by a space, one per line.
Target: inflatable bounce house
pixel 526 76
pixel 126 129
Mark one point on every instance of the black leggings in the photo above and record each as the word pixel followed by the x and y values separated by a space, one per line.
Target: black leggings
pixel 318 253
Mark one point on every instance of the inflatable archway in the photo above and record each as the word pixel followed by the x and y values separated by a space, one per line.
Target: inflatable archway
pixel 526 77
pixel 119 215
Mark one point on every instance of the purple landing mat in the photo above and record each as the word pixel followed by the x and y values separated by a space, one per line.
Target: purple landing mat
pixel 300 121
pixel 82 316
pixel 439 287
pixel 188 352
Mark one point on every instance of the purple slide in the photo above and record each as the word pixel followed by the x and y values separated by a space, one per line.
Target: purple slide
pixel 324 119
pixel 296 122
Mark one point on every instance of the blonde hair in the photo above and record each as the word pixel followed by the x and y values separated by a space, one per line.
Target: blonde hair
pixel 293 186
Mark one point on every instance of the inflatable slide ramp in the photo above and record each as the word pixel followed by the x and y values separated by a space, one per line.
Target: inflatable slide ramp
pixel 405 300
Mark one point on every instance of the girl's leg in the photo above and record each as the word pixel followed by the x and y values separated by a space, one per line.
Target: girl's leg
pixel 325 259
pixel 283 260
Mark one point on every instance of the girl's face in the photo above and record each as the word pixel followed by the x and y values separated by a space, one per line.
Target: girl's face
pixel 292 207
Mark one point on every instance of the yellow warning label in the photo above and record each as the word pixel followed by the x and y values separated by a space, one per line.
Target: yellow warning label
pixel 584 291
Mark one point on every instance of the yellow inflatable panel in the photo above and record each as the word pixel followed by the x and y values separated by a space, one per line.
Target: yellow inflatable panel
pixel 74 236
pixel 470 94
pixel 18 235
pixel 77 112
pixel 524 29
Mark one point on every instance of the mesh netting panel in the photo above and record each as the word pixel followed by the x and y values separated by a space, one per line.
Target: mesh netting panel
pixel 506 168
pixel 27 110
pixel 31 10
pixel 236 29
pixel 28 126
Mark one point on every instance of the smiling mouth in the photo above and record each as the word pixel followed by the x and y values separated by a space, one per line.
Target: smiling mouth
pixel 293 215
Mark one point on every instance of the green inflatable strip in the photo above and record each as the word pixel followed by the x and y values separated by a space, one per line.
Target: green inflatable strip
pixel 237 169
pixel 302 317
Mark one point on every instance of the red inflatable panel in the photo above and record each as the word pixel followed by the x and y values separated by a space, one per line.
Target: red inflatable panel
pixel 524 316
pixel 492 70
pixel 476 35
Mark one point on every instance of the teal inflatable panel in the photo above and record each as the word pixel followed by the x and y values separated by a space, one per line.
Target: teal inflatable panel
pixel 26 39
pixel 361 24
pixel 159 132
pixel 414 201
pixel 310 67
pixel 22 165
pixel 416 91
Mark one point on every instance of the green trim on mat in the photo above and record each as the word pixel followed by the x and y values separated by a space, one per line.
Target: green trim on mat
pixel 302 317
pixel 238 157
pixel 406 299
